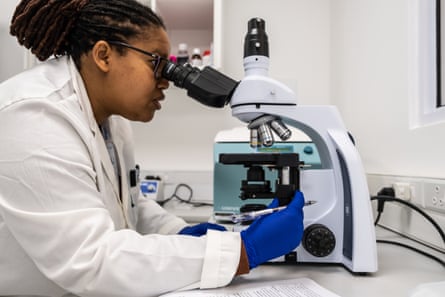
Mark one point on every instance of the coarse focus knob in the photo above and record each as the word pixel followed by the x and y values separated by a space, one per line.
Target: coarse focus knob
pixel 318 240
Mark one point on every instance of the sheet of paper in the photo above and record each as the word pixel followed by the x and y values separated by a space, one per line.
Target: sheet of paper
pixel 301 287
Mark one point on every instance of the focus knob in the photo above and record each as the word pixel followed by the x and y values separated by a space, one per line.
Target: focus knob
pixel 318 240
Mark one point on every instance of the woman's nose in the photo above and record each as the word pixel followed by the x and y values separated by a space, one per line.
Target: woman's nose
pixel 163 84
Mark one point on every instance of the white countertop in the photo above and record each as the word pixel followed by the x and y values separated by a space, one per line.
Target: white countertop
pixel 400 270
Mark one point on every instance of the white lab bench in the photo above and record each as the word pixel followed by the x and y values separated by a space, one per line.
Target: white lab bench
pixel 400 269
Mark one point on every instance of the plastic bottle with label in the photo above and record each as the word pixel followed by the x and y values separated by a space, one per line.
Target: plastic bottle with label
pixel 196 58
pixel 183 55
pixel 206 58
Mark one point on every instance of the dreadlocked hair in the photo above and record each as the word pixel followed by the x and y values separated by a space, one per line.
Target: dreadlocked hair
pixel 72 27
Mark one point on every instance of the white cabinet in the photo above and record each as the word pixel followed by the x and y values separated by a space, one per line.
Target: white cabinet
pixel 194 22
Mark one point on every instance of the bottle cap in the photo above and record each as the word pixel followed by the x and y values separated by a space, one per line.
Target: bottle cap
pixel 196 51
pixel 182 46
pixel 173 58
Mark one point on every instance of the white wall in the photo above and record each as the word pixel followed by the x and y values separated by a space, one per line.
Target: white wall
pixel 370 83
pixel 181 135
pixel 11 54
pixel 299 43
pixel 351 53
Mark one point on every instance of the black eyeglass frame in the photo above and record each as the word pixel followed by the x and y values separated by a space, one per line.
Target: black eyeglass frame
pixel 156 58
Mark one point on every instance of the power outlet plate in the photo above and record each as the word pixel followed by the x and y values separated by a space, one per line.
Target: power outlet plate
pixel 434 195
pixel 426 193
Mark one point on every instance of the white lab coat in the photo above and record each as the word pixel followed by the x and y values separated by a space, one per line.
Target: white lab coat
pixel 63 227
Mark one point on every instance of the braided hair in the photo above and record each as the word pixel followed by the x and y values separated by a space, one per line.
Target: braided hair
pixel 72 27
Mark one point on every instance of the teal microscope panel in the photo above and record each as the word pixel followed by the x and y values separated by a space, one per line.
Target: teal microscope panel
pixel 227 178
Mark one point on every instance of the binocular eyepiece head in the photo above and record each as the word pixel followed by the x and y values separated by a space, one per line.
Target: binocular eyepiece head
pixel 208 86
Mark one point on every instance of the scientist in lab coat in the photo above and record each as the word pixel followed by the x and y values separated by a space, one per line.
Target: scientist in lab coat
pixel 72 221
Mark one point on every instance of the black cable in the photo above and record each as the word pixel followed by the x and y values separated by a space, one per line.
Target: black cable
pixel 413 249
pixel 187 200
pixel 385 198
pixel 386 191
pixel 387 195
pixel 377 219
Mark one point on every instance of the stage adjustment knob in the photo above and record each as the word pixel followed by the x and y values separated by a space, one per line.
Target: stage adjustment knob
pixel 318 240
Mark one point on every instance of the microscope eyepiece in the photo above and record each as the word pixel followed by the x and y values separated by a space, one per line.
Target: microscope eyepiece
pixel 208 86
pixel 256 42
pixel 179 74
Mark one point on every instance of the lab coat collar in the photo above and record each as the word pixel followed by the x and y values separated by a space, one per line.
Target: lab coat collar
pixel 85 105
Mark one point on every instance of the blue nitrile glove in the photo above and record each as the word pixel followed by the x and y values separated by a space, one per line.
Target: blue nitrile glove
pixel 276 234
pixel 200 229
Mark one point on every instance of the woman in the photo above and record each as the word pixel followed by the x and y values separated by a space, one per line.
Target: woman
pixel 71 217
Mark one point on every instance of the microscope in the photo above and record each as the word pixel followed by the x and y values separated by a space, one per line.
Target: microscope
pixel 339 228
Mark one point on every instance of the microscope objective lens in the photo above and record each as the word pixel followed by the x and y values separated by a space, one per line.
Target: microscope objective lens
pixel 254 141
pixel 265 135
pixel 282 131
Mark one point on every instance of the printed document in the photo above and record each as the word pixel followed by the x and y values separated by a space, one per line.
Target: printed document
pixel 301 287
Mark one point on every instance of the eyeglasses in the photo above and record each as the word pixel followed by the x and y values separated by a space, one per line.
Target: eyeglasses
pixel 158 61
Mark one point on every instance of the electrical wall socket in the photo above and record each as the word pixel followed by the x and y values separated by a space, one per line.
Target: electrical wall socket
pixel 434 195
pixel 403 190
pixel 426 193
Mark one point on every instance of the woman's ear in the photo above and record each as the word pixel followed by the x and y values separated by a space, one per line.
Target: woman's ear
pixel 101 54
